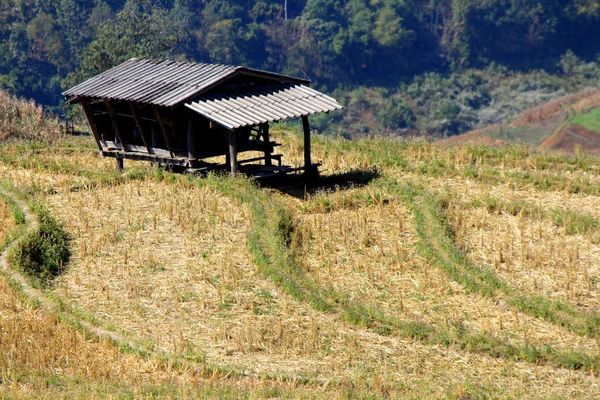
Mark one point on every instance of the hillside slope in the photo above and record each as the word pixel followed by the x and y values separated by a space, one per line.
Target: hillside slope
pixel 567 124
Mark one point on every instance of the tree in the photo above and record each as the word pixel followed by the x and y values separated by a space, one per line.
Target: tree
pixel 45 39
pixel 141 29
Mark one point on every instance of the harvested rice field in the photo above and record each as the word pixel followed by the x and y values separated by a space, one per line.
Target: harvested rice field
pixel 369 254
pixel 7 221
pixel 407 270
pixel 548 243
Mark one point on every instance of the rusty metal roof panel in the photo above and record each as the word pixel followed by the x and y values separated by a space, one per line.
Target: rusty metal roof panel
pixel 111 81
pixel 254 105
pixel 164 83
pixel 185 93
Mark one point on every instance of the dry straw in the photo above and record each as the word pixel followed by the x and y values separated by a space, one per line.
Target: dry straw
pixel 530 252
pixel 7 222
pixel 24 119
pixel 168 264
pixel 206 299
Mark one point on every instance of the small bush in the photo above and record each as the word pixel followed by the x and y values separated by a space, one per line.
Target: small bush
pixel 397 115
pixel 43 253
pixel 447 110
pixel 285 227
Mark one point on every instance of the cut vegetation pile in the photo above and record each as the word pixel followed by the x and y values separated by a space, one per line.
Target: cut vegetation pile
pixel 407 270
pixel 24 119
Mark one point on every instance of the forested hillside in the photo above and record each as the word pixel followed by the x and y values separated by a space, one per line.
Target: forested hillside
pixel 437 66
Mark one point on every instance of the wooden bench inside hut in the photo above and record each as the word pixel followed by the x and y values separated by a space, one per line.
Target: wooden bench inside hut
pixel 182 114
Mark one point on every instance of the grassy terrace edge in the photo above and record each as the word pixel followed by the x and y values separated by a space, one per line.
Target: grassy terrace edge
pixel 89 326
pixel 574 223
pixel 269 240
pixel 437 245
pixel 481 163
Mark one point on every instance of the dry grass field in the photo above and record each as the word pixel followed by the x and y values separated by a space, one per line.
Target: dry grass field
pixel 8 222
pixel 408 270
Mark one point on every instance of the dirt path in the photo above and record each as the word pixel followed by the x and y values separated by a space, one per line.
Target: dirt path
pixel 45 304
pixel 557 134
pixel 428 223
pixel 442 250
pixel 28 290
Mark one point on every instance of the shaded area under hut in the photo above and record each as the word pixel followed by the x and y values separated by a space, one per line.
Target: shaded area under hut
pixel 181 114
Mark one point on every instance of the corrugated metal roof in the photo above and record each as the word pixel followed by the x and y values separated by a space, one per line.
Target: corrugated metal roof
pixel 256 105
pixel 163 83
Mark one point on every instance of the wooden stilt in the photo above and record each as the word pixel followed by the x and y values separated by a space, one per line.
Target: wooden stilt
pixel 138 122
pixel 265 134
pixel 190 138
pixel 306 128
pixel 113 118
pixel 233 152
pixel 162 129
pixel 119 164
pixel 90 117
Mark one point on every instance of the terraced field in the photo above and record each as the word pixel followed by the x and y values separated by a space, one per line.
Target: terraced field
pixel 407 270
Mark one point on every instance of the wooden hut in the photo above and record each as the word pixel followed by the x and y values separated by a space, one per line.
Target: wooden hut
pixel 182 114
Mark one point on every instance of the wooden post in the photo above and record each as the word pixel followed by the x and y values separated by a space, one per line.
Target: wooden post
pixel 138 122
pixel 119 164
pixel 306 127
pixel 162 128
pixel 233 151
pixel 265 134
pixel 190 138
pixel 154 137
pixel 113 118
pixel 90 117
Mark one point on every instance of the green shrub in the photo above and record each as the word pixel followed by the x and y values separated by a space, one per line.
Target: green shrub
pixel 447 109
pixel 43 252
pixel 397 115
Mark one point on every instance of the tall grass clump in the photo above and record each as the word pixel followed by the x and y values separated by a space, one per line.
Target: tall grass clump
pixel 44 251
pixel 23 119
pixel 12 221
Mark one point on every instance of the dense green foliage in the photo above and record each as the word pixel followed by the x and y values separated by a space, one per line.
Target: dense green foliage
pixel 43 252
pixel 47 45
pixel 589 120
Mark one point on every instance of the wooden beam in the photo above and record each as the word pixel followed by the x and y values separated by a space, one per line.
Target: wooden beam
pixel 119 164
pixel 268 149
pixel 155 158
pixel 90 117
pixel 138 122
pixel 113 118
pixel 306 128
pixel 162 128
pixel 118 114
pixel 249 160
pixel 154 139
pixel 233 151
pixel 190 138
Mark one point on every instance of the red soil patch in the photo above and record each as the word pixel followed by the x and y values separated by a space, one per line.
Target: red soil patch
pixel 577 136
pixel 552 108
pixel 557 134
